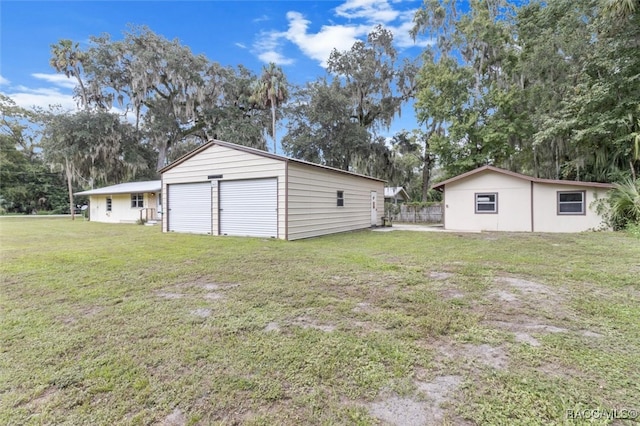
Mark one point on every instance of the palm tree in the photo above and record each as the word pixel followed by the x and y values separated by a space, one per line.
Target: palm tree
pixel 271 91
pixel 625 203
pixel 66 57
pixel 621 8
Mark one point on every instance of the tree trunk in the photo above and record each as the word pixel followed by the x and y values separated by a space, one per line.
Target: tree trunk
pixel 67 171
pixel 162 156
pixel 426 176
pixel 273 127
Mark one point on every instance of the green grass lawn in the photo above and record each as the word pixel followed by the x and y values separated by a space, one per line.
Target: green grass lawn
pixel 121 324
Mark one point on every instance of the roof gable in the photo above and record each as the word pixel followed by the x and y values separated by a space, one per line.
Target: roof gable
pixel 258 152
pixel 440 186
pixel 392 191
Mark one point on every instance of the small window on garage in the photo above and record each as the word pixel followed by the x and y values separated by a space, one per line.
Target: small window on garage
pixel 137 200
pixel 571 202
pixel 340 199
pixel 108 204
pixel 487 202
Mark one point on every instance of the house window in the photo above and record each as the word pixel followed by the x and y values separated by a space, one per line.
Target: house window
pixel 571 202
pixel 109 204
pixel 137 200
pixel 340 199
pixel 487 202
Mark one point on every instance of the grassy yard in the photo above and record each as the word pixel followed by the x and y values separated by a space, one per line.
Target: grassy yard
pixel 120 324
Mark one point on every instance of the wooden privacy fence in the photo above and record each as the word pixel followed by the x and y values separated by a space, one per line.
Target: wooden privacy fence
pixel 415 214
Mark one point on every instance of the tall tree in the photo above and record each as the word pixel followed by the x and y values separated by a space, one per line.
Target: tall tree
pixel 67 58
pixel 376 84
pixel 271 91
pixel 320 128
pixel 91 148
pixel 26 184
pixel 461 78
pixel 175 96
pixel 337 119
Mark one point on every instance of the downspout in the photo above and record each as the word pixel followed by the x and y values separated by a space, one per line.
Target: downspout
pixel 532 227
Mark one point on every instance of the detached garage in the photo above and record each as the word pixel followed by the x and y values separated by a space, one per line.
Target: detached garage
pixel 226 189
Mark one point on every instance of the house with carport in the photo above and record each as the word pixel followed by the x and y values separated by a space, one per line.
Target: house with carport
pixel 223 188
pixel 125 202
pixel 493 199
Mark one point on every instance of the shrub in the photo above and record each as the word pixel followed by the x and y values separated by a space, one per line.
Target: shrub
pixel 624 202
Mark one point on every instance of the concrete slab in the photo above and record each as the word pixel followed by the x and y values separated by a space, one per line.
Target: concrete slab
pixel 418 228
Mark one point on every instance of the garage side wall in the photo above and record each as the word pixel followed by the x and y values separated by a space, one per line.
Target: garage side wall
pixel 547 219
pixel 313 208
pixel 232 165
pixel 513 203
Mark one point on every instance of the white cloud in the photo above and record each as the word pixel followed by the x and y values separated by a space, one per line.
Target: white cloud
pixel 318 46
pixel 56 79
pixel 261 18
pixel 373 11
pixel 3 81
pixel 241 45
pixel 275 57
pixel 41 97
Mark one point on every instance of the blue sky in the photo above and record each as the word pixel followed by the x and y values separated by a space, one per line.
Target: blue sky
pixel 297 35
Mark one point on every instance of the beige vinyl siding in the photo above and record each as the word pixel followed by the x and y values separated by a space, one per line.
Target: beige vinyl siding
pixel 233 165
pixel 313 210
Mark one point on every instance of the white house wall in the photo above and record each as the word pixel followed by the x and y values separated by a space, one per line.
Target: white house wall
pixel 547 219
pixel 232 165
pixel 313 209
pixel 514 203
pixel 121 210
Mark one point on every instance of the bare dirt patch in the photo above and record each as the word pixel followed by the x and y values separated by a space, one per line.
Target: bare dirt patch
pixel 272 326
pixel 167 295
pixel 526 287
pixel 437 275
pixel 362 307
pixel 306 322
pixel 214 296
pixel 484 354
pixel 201 312
pixel 504 296
pixel 399 411
pixel 452 293
pixel 44 398
pixel 428 407
pixel 176 418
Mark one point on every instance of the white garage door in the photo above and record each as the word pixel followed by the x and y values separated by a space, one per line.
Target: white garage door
pixel 190 207
pixel 249 208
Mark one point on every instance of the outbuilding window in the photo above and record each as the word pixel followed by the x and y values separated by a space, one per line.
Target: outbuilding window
pixel 108 204
pixel 137 200
pixel 571 202
pixel 340 199
pixel 486 202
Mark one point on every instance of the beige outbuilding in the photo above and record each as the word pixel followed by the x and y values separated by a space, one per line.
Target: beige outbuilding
pixel 226 189
pixel 493 199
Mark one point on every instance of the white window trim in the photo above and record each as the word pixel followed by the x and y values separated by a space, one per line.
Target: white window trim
pixel 137 201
